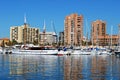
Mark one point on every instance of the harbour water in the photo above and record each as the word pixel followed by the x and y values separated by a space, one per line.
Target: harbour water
pixel 52 67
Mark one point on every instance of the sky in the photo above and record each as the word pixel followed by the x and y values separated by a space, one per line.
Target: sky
pixel 12 13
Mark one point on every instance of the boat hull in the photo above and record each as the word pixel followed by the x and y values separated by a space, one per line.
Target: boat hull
pixel 39 52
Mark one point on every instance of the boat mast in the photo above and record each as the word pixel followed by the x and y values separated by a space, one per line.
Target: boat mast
pixel 92 35
pixel 25 29
pixel 53 26
pixel 54 32
pixel 119 38
pixel 44 32
pixel 111 35
pixel 86 35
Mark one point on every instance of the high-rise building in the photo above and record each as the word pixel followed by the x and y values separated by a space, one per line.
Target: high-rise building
pixel 24 34
pixel 99 36
pixel 98 30
pixel 73 29
pixel 16 33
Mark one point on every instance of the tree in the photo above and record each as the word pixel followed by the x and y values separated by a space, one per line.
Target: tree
pixel 14 42
pixel 35 42
pixel 83 43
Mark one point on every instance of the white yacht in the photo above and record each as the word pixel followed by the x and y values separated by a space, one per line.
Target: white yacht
pixel 46 50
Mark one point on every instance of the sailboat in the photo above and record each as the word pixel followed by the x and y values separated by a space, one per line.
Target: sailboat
pixel 117 53
pixel 105 51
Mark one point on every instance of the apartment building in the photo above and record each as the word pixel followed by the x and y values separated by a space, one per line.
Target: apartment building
pixel 24 34
pixel 99 35
pixel 73 29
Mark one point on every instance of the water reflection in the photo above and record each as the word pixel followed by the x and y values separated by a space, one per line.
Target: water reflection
pixel 34 67
pixel 91 68
pixel 51 67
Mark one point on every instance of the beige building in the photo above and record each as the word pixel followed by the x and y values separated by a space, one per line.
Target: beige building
pixel 16 33
pixel 73 29
pixel 24 34
pixel 108 40
pixel 99 35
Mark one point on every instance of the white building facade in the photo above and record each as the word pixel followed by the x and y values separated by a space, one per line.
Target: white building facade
pixel 17 33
